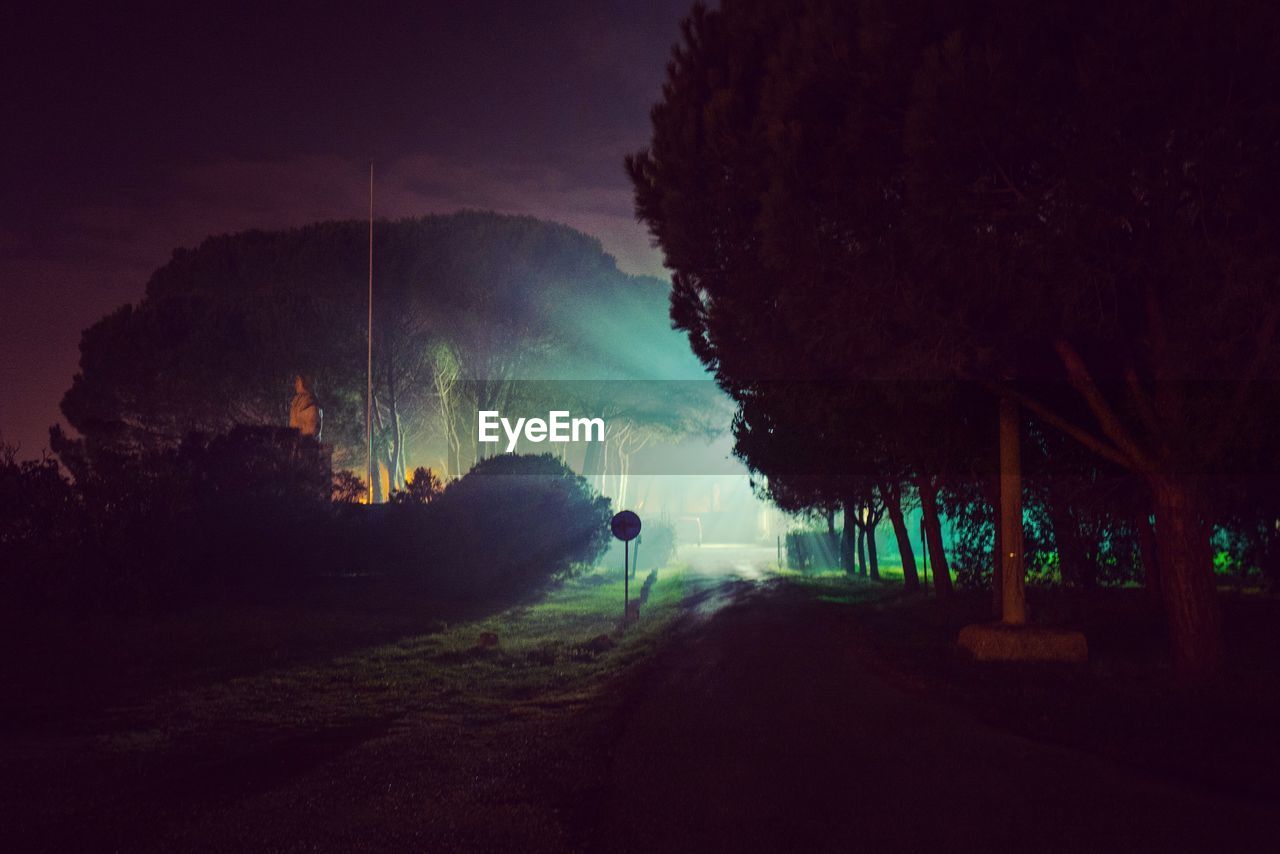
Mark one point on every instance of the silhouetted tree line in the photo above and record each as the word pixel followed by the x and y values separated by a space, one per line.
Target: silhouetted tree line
pixel 886 220
pixel 259 509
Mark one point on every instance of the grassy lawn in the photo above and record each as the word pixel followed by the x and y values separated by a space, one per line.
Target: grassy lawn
pixel 889 572
pixel 543 655
pixel 450 695
pixel 1124 704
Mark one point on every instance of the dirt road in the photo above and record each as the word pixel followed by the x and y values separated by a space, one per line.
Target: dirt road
pixel 766 731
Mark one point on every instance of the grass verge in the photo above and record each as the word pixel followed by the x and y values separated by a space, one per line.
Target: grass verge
pixel 242 760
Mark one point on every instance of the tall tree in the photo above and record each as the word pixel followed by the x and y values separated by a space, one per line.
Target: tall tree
pixel 1067 203
pixel 465 306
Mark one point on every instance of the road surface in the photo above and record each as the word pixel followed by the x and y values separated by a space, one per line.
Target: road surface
pixel 766 730
pixel 749 562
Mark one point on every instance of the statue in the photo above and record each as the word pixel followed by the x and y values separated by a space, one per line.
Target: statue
pixel 305 414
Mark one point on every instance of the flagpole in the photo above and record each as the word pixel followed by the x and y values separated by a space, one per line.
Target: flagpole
pixel 368 400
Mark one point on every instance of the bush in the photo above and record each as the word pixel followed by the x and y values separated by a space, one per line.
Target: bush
pixel 514 523
pixel 348 488
pixel 811 549
pixel 422 488
pixel 1106 540
pixel 259 499
pixel 42 527
pixel 255 509
pixel 151 527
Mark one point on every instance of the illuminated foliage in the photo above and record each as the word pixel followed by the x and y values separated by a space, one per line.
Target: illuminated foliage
pixel 465 304
pixel 513 523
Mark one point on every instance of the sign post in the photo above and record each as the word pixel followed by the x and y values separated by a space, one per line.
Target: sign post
pixel 626 527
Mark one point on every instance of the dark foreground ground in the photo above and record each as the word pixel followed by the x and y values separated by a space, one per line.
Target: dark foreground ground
pixel 739 715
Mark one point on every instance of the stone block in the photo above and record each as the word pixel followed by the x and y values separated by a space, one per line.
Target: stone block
pixel 1003 642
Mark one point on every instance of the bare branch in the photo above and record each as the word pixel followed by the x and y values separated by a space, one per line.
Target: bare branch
pixel 1094 443
pixel 1083 382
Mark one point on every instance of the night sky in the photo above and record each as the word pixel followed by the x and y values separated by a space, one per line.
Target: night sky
pixel 131 133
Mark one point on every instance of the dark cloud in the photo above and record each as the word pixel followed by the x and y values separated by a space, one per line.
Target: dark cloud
pixel 136 131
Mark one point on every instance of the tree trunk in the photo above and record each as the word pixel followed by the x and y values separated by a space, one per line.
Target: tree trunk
pixel 395 463
pixel 848 534
pixel 924 551
pixel 893 503
pixel 1186 579
pixel 1150 561
pixel 593 463
pixel 395 459
pixel 862 553
pixel 1013 602
pixel 873 560
pixel 1073 563
pixel 933 535
pixel 375 477
pixel 997 557
pixel 624 477
pixel 375 481
pixel 834 550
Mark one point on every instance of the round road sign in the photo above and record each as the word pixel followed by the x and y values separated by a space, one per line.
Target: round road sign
pixel 625 525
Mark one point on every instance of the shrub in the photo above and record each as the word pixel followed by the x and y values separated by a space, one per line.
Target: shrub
pixel 253 509
pixel 348 488
pixel 422 488
pixel 513 523
pixel 811 549
pixel 158 525
pixel 41 529
pixel 260 497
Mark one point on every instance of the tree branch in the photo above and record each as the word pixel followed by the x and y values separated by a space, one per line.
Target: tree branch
pixel 1080 379
pixel 1094 443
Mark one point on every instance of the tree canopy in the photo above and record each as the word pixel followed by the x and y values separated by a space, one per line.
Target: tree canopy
pixel 464 305
pixel 1069 203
